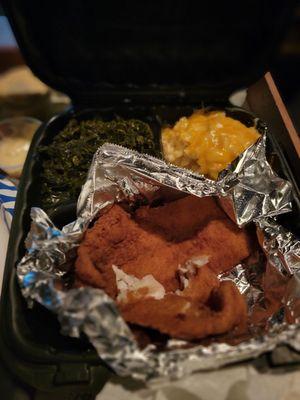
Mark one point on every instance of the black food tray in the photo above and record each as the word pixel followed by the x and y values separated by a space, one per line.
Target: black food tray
pixel 30 342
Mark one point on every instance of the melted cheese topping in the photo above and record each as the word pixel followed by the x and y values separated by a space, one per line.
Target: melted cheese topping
pixel 206 143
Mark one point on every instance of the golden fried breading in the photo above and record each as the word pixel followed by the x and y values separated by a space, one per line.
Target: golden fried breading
pixel 181 318
pixel 180 219
pixel 88 274
pixel 223 242
pixel 185 261
pixel 198 282
pixel 116 239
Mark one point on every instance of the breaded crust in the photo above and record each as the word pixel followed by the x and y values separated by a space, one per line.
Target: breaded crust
pixel 180 219
pixel 117 239
pixel 184 251
pixel 180 318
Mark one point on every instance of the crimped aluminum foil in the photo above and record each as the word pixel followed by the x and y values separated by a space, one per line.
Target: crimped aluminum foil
pixel 253 193
pixel 250 184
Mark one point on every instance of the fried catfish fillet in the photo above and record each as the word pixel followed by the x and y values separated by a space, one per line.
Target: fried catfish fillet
pixel 185 262
pixel 180 219
pixel 197 282
pixel 117 239
pixel 222 242
pixel 182 318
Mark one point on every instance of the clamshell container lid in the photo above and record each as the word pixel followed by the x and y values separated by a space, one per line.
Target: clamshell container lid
pixel 87 49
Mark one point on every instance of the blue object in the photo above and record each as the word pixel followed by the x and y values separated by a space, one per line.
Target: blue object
pixel 29 279
pixel 54 232
pixel 8 193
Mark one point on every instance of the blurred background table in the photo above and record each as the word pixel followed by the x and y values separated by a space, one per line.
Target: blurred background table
pixel 285 69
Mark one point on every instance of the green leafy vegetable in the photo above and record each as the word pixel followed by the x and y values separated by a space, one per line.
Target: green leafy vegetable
pixel 67 159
